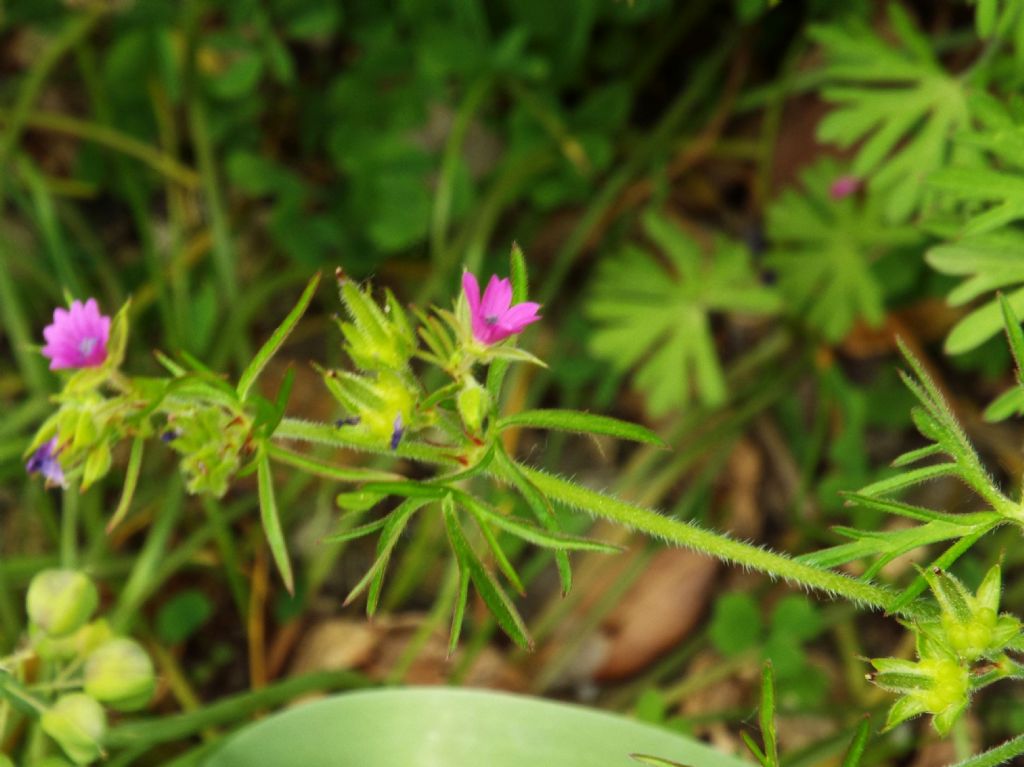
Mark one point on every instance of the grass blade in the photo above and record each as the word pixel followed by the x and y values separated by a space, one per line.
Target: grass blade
pixel 272 521
pixel 269 349
pixel 131 481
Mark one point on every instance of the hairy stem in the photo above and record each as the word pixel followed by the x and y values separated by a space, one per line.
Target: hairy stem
pixel 645 520
pixel 995 756
pixel 715 544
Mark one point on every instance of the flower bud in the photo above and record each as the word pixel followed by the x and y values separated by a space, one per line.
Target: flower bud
pixel 473 402
pixel 76 645
pixel 383 406
pixel 78 724
pixel 120 674
pixel 376 339
pixel 61 601
pixel 936 684
pixel 971 623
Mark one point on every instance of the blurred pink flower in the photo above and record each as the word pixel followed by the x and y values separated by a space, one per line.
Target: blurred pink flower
pixel 844 186
pixel 78 336
pixel 494 317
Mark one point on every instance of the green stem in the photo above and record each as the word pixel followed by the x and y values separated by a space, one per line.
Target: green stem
pixel 715 544
pixel 700 84
pixel 644 520
pixel 223 249
pixel 996 756
pixel 69 529
pixel 76 29
pixel 10 621
pixel 440 253
pixel 109 138
pixel 15 324
pixel 144 577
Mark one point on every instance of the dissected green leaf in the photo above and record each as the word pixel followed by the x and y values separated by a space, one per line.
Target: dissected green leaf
pixel 986 262
pixel 897 102
pixel 824 250
pixel 654 316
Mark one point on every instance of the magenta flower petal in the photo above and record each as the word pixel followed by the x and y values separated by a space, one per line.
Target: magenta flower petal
pixel 472 290
pixel 493 316
pixel 497 298
pixel 518 317
pixel 844 186
pixel 78 337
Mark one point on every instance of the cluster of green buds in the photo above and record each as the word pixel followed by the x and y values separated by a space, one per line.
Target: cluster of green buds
pixel 91 667
pixel 962 650
pixel 211 440
pixel 382 399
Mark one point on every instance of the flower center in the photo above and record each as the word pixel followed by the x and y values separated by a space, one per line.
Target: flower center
pixel 491 319
pixel 86 346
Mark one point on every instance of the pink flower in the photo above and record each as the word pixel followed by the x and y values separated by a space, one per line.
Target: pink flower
pixel 494 317
pixel 844 186
pixel 78 336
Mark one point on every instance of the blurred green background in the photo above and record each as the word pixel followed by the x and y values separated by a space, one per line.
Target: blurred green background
pixel 657 162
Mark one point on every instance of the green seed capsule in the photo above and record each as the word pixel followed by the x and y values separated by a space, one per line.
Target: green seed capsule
pixel 473 402
pixel 61 601
pixel 120 674
pixel 78 724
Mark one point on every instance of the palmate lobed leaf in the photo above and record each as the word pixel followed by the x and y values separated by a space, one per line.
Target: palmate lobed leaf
pixel 898 102
pixel 823 251
pixel 654 315
pixel 986 201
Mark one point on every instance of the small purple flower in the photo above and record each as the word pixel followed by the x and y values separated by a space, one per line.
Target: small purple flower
pixel 844 186
pixel 78 336
pixel 494 317
pixel 398 432
pixel 44 461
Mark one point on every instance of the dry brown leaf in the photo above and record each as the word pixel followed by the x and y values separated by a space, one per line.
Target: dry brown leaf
pixel 661 608
pixel 374 648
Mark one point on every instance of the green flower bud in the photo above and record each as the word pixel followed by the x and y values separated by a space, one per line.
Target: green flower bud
pixel 76 645
pixel 970 623
pixel 61 601
pixel 473 402
pixel 120 674
pixel 78 724
pixel 936 684
pixel 210 440
pixel 383 406
pixel 376 339
pixel 97 464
